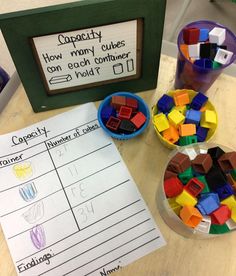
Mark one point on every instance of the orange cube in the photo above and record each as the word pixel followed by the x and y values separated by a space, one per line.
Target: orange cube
pixel 190 216
pixel 171 134
pixel 181 97
pixel 184 50
pixel 187 129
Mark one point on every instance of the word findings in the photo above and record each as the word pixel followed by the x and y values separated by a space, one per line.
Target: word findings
pixel 89 56
pixel 62 204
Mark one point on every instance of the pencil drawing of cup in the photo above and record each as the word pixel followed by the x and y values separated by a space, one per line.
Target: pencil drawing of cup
pixel 23 171
pixel 35 213
pixel 37 236
pixel 28 191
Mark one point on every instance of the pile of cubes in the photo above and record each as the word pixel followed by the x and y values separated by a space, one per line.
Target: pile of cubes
pixel 122 115
pixel 202 191
pixel 182 121
pixel 206 48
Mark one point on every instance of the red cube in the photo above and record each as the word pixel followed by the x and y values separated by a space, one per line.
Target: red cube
pixel 173 187
pixel 194 186
pixel 133 103
pixel 221 215
pixel 139 119
pixel 125 112
pixel 118 101
pixel 191 35
pixel 113 123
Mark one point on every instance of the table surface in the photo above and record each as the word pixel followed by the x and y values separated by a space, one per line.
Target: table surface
pixel 146 157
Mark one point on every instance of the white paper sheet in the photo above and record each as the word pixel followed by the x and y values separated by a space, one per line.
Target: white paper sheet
pixel 68 204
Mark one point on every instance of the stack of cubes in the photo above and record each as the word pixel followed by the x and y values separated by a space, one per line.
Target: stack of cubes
pixel 182 121
pixel 202 191
pixel 205 48
pixel 122 115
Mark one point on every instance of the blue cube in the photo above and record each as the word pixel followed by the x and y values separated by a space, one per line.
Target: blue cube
pixel 165 103
pixel 201 133
pixel 107 112
pixel 208 203
pixel 204 35
pixel 198 101
pixel 225 191
pixel 193 117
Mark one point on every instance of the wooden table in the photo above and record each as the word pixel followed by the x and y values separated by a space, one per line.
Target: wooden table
pixel 146 157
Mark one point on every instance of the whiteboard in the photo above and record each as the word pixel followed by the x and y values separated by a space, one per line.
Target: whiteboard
pixel 89 56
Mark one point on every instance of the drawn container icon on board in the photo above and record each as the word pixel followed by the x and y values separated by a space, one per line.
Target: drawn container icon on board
pixel 130 65
pixel 28 191
pixel 118 68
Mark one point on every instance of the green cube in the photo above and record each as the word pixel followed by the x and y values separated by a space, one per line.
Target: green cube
pixel 206 189
pixel 233 173
pixel 187 140
pixel 219 229
pixel 186 175
pixel 216 65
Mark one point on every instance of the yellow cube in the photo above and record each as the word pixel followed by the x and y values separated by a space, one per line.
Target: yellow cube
pixel 233 214
pixel 174 205
pixel 186 199
pixel 181 108
pixel 176 118
pixel 208 118
pixel 229 201
pixel 161 122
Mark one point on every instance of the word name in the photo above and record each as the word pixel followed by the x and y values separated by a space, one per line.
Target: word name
pixel 63 39
pixel 35 261
pixel 108 272
pixel 34 134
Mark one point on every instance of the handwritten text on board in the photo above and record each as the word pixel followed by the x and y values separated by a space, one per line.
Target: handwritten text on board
pixel 87 56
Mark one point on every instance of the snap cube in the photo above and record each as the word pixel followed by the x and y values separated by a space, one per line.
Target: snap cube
pixel 187 140
pixel 179 163
pixel 227 161
pixel 171 134
pixel 191 35
pixel 190 216
pixel 221 215
pixel 194 50
pixel 113 123
pixel 185 198
pixel 198 101
pixel 126 126
pixel 174 205
pixel 229 201
pixel 187 129
pixel 223 56
pixel 202 133
pixel 125 112
pixel 194 186
pixel 208 50
pixel 193 117
pixel 161 122
pixel 208 203
pixel 217 35
pixel 202 163
pixel 208 119
pixel 224 191
pixel 204 35
pixel 139 119
pixel 176 118
pixel 181 98
pixel 173 187
pixel 165 103
pixel 186 175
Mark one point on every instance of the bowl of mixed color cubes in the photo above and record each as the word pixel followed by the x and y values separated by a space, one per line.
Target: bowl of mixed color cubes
pixel 123 115
pixel 183 117
pixel 199 190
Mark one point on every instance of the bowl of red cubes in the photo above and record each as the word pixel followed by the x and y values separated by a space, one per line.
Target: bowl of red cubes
pixel 123 115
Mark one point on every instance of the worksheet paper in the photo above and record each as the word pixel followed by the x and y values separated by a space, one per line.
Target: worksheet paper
pixel 68 204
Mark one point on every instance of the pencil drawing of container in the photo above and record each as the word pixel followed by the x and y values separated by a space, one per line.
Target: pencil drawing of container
pixel 23 171
pixel 28 191
pixel 34 213
pixel 37 236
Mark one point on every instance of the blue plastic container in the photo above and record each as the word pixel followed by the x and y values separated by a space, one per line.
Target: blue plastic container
pixel 142 106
